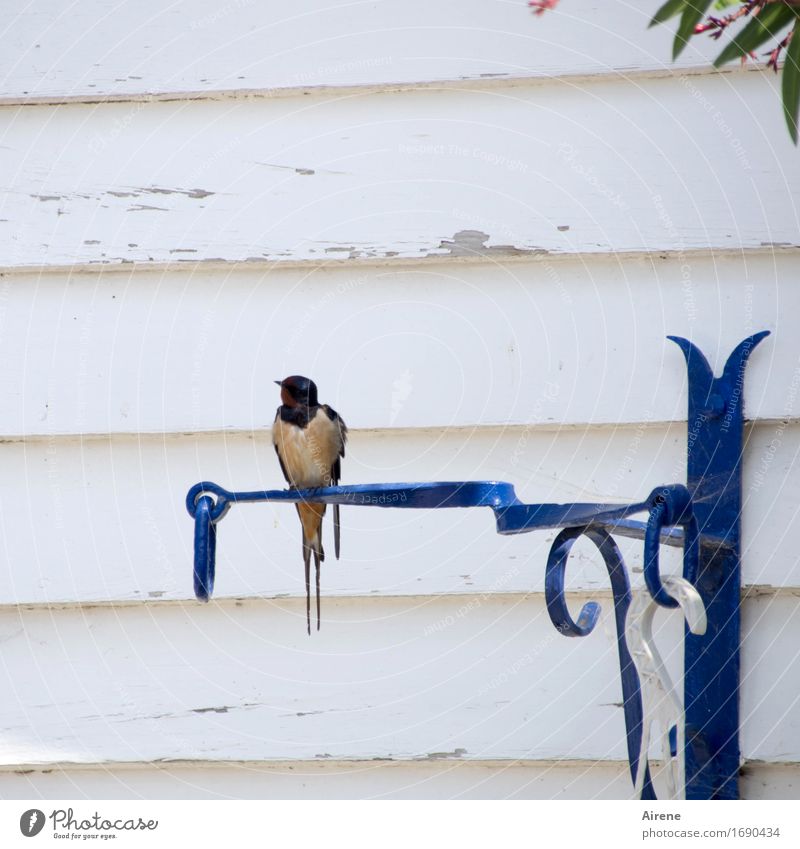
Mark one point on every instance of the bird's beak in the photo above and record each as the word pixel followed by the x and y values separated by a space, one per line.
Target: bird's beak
pixel 279 382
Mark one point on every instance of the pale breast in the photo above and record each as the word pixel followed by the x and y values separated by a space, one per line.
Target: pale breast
pixel 308 453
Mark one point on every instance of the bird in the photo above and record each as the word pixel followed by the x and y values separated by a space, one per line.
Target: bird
pixel 309 439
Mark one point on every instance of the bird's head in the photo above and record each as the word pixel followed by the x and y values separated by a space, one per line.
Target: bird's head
pixel 297 390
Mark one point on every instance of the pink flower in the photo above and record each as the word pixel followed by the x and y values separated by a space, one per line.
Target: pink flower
pixel 541 6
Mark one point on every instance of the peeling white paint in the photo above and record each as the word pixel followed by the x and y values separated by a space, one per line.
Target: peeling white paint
pixel 204 47
pixel 377 193
pixel 370 685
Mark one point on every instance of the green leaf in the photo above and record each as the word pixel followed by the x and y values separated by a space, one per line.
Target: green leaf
pixel 694 12
pixel 764 26
pixel 667 11
pixel 791 83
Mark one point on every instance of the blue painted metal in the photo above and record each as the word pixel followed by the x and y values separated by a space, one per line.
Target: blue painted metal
pixel 672 506
pixel 703 517
pixel 511 515
pixel 205 548
pixel 559 615
pixel 714 479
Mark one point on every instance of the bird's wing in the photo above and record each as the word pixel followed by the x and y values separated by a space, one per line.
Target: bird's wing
pixel 336 468
pixel 336 472
pixel 275 445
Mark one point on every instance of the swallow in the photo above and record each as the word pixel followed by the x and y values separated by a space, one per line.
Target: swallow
pixel 309 439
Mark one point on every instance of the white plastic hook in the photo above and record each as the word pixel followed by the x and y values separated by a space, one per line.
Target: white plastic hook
pixel 660 703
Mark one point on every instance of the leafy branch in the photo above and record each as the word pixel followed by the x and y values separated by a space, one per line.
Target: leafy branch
pixel 771 21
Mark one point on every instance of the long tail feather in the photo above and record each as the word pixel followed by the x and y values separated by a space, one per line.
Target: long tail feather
pixel 336 532
pixel 307 564
pixel 317 561
pixel 311 521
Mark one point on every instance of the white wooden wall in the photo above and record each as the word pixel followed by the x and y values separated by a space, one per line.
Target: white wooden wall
pixel 474 229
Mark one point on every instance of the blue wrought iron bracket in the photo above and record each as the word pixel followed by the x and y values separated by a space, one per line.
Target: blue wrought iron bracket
pixel 702 517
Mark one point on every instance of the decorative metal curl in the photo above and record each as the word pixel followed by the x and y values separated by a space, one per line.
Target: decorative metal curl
pixel 671 506
pixel 559 615
pixel 205 547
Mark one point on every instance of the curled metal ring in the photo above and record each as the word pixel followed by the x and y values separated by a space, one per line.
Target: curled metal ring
pixel 218 508
pixel 671 506
pixel 205 548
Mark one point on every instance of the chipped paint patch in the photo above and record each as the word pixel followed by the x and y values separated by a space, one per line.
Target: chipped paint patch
pixel 438 756
pixel 303 172
pixel 473 243
pixel 190 193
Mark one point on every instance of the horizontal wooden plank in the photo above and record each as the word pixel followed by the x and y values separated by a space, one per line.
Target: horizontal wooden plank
pixel 395 679
pixel 436 779
pixel 54 51
pixel 103 520
pixel 770 666
pixel 451 345
pixel 439 779
pixel 766 781
pixel 535 170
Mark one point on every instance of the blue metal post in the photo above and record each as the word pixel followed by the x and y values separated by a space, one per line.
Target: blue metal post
pixel 714 479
